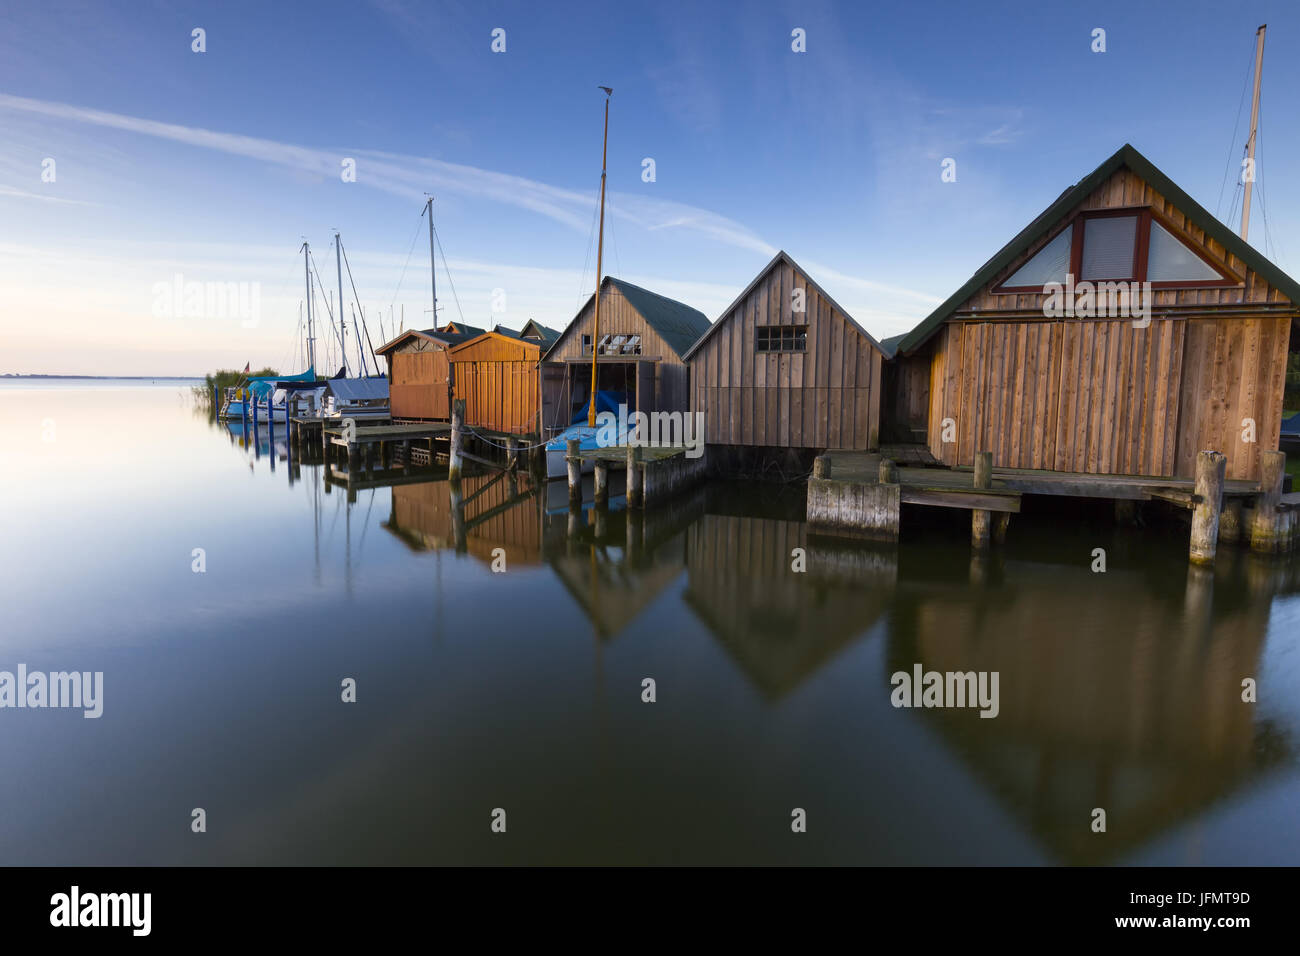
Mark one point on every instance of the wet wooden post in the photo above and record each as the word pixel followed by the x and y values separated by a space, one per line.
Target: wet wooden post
pixel 602 482
pixel 634 476
pixel 888 471
pixel 822 466
pixel 575 469
pixel 1267 525
pixel 1230 521
pixel 512 452
pixel 981 521
pixel 1211 467
pixel 270 424
pixel 457 429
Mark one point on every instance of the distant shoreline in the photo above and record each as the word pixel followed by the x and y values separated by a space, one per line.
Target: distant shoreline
pixel 117 378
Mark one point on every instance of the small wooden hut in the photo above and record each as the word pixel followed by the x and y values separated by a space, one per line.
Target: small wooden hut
pixel 786 367
pixel 419 374
pixel 496 374
pixel 998 368
pixel 643 339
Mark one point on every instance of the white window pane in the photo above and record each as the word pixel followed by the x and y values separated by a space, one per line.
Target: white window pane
pixel 1049 264
pixel 1108 244
pixel 1168 260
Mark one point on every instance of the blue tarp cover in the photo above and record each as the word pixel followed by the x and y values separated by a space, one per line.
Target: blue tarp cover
pixel 262 387
pixel 605 402
pixel 1291 426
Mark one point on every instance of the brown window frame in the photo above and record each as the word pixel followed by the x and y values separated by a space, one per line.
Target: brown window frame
pixel 799 343
pixel 1141 248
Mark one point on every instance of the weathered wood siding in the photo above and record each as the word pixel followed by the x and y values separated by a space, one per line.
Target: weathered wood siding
pixel 828 396
pixel 906 409
pixel 498 379
pixel 1104 397
pixel 418 383
pixel 618 317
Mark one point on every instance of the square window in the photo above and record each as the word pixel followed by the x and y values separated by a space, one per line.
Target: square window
pixel 1109 243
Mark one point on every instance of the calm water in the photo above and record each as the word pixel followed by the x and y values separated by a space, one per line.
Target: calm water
pixel 522 690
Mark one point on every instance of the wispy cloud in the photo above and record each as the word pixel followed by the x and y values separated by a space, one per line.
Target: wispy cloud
pixel 41 197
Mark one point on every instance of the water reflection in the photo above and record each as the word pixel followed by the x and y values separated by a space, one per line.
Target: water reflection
pixel 522 689
pixel 1120 691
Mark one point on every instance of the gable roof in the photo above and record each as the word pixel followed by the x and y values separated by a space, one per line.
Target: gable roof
pixel 675 322
pixel 505 335
pixel 461 328
pixel 1125 156
pixel 442 338
pixel 546 335
pixel 782 257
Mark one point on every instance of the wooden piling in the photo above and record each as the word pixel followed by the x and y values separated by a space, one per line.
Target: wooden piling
pixel 1230 522
pixel 457 437
pixel 602 482
pixel 575 469
pixel 512 452
pixel 1267 525
pixel 888 471
pixel 981 521
pixel 1211 467
pixel 821 467
pixel 635 478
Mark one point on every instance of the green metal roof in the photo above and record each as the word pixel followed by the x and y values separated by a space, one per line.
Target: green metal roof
pixel 1125 156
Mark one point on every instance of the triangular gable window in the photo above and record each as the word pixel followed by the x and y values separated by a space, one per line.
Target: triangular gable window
pixel 1126 245
pixel 1168 260
pixel 1049 264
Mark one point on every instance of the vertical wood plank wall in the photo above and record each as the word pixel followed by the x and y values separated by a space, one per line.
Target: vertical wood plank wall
pixel 418 386
pixel 826 397
pixel 499 381
pixel 1103 397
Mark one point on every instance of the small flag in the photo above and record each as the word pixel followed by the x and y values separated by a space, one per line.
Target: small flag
pixel 246 367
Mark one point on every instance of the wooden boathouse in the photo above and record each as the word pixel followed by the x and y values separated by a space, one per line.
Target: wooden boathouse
pixel 993 369
pixel 419 374
pixel 640 356
pixel 496 375
pixel 785 366
pixel 1126 345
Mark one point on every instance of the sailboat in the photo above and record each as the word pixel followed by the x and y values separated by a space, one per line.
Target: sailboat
pixel 587 434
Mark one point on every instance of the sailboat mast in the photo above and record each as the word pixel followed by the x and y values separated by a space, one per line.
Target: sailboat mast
pixel 311 337
pixel 433 270
pixel 1254 128
pixel 338 264
pixel 600 248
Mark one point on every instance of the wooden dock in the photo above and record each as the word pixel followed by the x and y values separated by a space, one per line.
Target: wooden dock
pixel 860 494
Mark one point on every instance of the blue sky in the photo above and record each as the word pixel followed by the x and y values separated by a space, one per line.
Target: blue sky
pixel 215 165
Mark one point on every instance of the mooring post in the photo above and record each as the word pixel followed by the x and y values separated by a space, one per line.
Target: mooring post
pixel 981 520
pixel 822 466
pixel 602 482
pixel 1210 469
pixel 1266 526
pixel 888 471
pixel 512 452
pixel 575 469
pixel 216 403
pixel 634 476
pixel 457 428
pixel 270 424
pixel 1230 521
